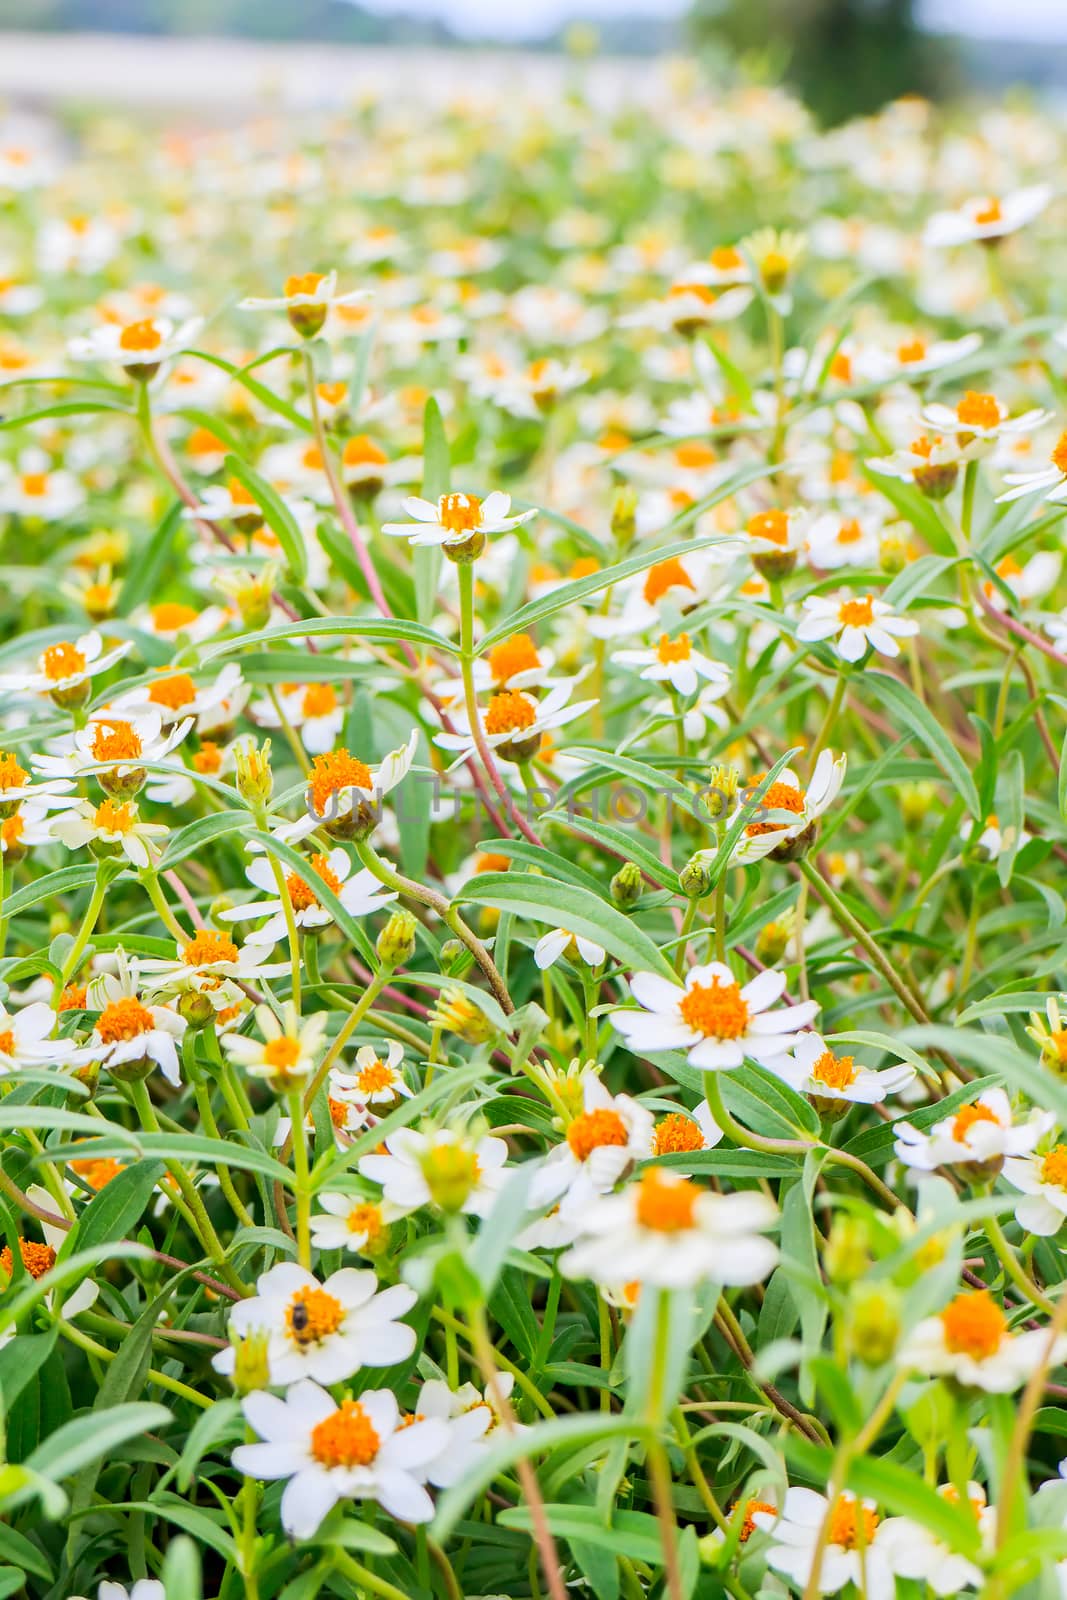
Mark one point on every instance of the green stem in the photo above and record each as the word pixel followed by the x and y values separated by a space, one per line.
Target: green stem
pixel 85 932
pixel 832 711
pixel 163 1379
pixel 844 916
pixel 303 1179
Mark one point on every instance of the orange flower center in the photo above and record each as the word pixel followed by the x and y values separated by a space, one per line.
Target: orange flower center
pixel 11 830
pixel 238 493
pixel 376 1077
pixel 7 1042
pixel 319 700
pixel 173 692
pixel 61 661
pixel 848 1519
pixel 124 1019
pixel 115 741
pixel 172 615
pixel 665 1202
pixel 12 776
pixel 202 442
pixel 73 998
pixel 974 1325
pixel 487 861
pixel 675 1134
pixel 837 1072
pixel 208 758
pixel 97 1171
pixel 36 1258
pixel 140 336
pixel 312 1315
pixel 339 1110
pixel 779 797
pixel 715 1009
pixel 361 451
pixel 857 613
pixel 301 894
pixel 695 455
pixel 910 351
pixel 977 410
pixel 517 654
pixel 1059 454
pixel 459 513
pixel 670 650
pixel 724 258
pixel 594 1129
pixel 509 712
pixel 752 1508
pixel 282 1054
pixel 694 291
pixel 333 772
pixel 841 367
pixel 348 1438
pixel 365 1219
pixel 333 394
pixel 207 946
pixel 967 1116
pixel 665 575
pixel 35 484
pixel 302 283
pixel 770 525
pixel 849 532
pixel 1054 1167
pixel 112 818
pixel 987 211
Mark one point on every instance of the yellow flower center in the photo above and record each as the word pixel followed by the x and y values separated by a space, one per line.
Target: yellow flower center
pixel 35 484
pixel 665 575
pixel 779 797
pixel 509 712
pixel 376 1077
pixel 977 410
pixel 967 1116
pixel 281 1054
pixel 116 741
pixel 841 367
pixel 207 946
pixel 348 1438
pixel 171 615
pixel 665 1202
pixel 770 525
pixel 715 1009
pixel 695 291
pixel 36 1258
pixel 592 1130
pixel 695 455
pixel 1054 1167
pixel 910 351
pixel 670 650
pixel 459 513
pixel 319 700
pixel 312 1315
pixel 12 776
pixel 73 998
pixel 974 1325
pixel 113 818
pixel 849 532
pixel 987 211
pixel 124 1019
pixel 202 442
pixel 846 1521
pixel 7 1042
pixel 1059 454
pixel 11 831
pixel 333 772
pixel 836 1072
pixel 61 661
pixel 97 1171
pixel 173 692
pixel 238 493
pixel 675 1134
pixel 857 613
pixel 301 894
pixel 365 1219
pixel 302 283
pixel 724 258
pixel 333 394
pixel 140 336
pixel 208 758
pixel 517 654
pixel 752 1508
pixel 361 451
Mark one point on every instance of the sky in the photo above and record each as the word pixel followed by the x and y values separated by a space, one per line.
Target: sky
pixel 1021 19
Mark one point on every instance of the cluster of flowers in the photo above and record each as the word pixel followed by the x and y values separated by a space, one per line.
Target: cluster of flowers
pixel 702 1148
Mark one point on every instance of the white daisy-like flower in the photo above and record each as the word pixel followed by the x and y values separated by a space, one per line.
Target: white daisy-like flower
pixel 674 661
pixel 358 1450
pixel 140 346
pixel 209 963
pixel 931 462
pixel 969 1341
pixel 375 1079
pixel 313 709
pixel 1050 481
pixel 513 722
pixel 914 1552
pixel 716 1021
pixel 1042 1181
pixel 915 356
pixel 559 942
pixel 44 495
pixel 64 667
pixel 1027 583
pixel 26 1040
pixel 306 293
pixel 351 1222
pixel 787 795
pixel 416 1162
pixel 700 714
pixel 16 787
pixel 536 389
pixel 143 1589
pixel 173 620
pixel 980 418
pixel 837 540
pixel 690 305
pixel 174 696
pixel 605 1140
pixel 128 1032
pixel 118 744
pixel 287 1052
pixel 852 1553
pixel 228 502
pixel 777 532
pixel 980 1132
pixel 456 518
pixel 25 829
pixel 340 785
pixel 468 1416
pixel 326 1331
pixel 814 1069
pixel 671 1234
pixel 360 894
pixel 993 839
pixel 856 623
pixel 114 825
pixel 988 217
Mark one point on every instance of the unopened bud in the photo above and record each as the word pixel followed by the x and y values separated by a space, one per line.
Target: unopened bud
pixel 456 1013
pixel 874 1324
pixel 255 781
pixel 626 884
pixel 915 801
pixel 451 1172
pixel 196 1008
pixel 251 1368
pixel 847 1253
pixel 624 514
pixel 396 942
pixel 695 878
pixel 724 783
pixel 774 938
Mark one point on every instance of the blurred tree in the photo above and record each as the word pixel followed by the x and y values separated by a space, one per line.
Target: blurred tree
pixel 845 58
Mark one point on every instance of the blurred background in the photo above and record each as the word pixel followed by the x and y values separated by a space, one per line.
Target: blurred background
pixel 845 57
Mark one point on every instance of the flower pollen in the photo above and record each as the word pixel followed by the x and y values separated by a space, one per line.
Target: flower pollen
pixel 974 1325
pixel 312 1315
pixel 592 1130
pixel 715 1009
pixel 666 1203
pixel 677 1134
pixel 348 1438
pixel 61 661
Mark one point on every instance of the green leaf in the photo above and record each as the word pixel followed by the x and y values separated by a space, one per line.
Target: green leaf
pixel 191 1519
pixel 263 394
pixel 436 480
pixel 374 629
pixel 634 1534
pixel 119 1206
pixel 194 836
pixel 911 713
pixel 278 517
pixel 87 1438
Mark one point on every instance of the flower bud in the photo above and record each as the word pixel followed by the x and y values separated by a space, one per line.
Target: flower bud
pixel 724 783
pixel 396 942
pixel 451 1172
pixel 251 1370
pixel 196 1008
pixel 874 1323
pixel 847 1254
pixel 456 1013
pixel 624 514
pixel 915 801
pixel 465 551
pixel 626 885
pixel 121 783
pixel 255 781
pixel 938 480
pixel 695 877
pixel 774 938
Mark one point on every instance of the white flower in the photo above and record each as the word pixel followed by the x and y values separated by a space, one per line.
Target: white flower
pixel 979 418
pixel 560 942
pixel 1025 583
pixel 62 667
pixel 414 1161
pixel 814 1069
pixel 287 1052
pixel 856 623
pixel 26 1039
pixel 608 1137
pixel 142 344
pixel 970 1341
pixel 143 1589
pixel 45 495
pixel 326 1331
pixel 174 696
pixel 127 1031
pixel 689 306
pixel 914 1552
pixel 852 1553
pixel 209 963
pixel 340 784
pixel 1052 478
pixel 930 463
pixel 674 661
pixel 835 540
pixel 993 839
pixel 786 795
pixel 110 823
pixel 353 1451
pixel 514 721
pixel 1042 1180
pixel 989 217
pixel 455 518
pixel 307 290
pixel 468 1417
pixel 360 895
pixel 118 744
pixel 313 709
pixel 351 1222
pixel 15 788
pixel 713 1018
pixel 666 1231
pixel 376 1080
pixel 980 1132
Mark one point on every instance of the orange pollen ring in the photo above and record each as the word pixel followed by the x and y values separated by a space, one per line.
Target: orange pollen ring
pixel 61 661
pixel 510 711
pixel 347 1438
pixel 592 1130
pixel 974 1325
pixel 715 1009
pixel 124 1019
pixel 666 1203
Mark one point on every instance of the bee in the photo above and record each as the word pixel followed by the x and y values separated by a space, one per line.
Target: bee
pixel 298 1320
